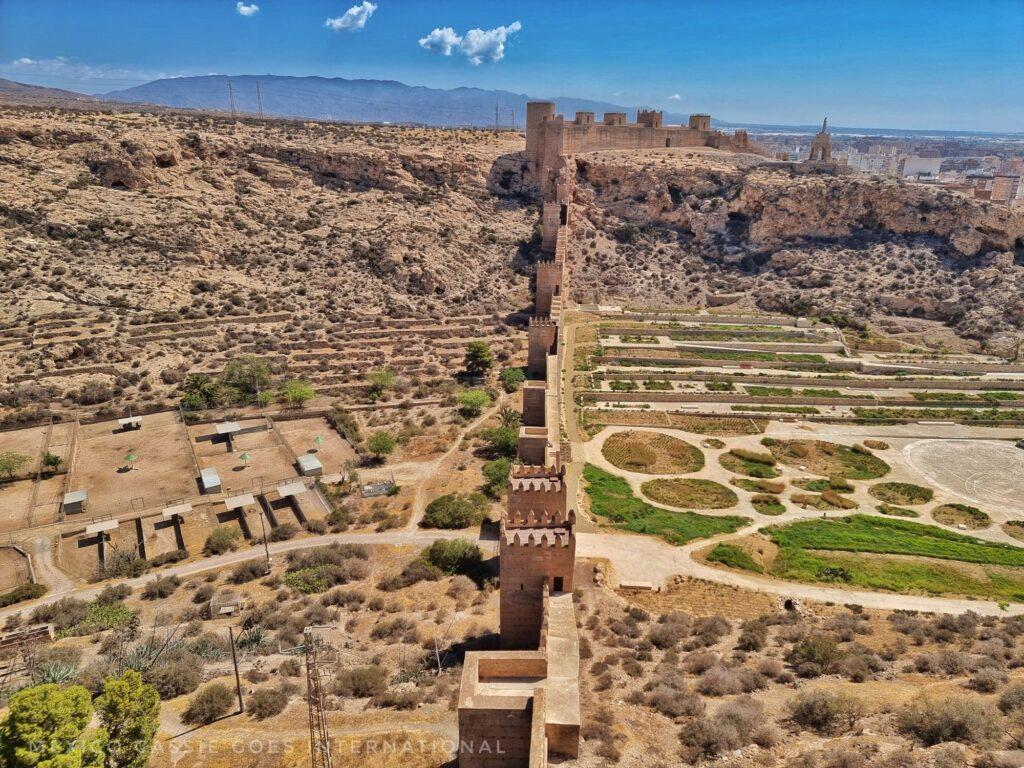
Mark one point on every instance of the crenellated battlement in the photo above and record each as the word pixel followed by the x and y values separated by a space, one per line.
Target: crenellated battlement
pixel 535 470
pixel 538 537
pixel 541 322
pixel 539 518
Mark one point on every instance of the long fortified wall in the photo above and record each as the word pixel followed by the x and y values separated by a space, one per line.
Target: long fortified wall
pixel 521 704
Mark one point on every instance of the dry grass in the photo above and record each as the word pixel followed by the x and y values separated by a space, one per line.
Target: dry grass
pixel 652 453
pixel 690 493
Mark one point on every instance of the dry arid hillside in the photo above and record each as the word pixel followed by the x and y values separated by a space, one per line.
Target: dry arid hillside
pixel 115 225
pixel 671 226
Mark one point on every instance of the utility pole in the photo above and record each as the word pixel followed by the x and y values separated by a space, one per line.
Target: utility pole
pixel 259 99
pixel 319 740
pixel 234 660
pixel 512 118
pixel 495 114
pixel 231 100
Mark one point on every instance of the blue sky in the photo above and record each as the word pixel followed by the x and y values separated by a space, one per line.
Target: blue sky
pixel 897 64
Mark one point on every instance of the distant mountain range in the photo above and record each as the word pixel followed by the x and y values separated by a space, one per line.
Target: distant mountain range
pixel 389 101
pixel 337 98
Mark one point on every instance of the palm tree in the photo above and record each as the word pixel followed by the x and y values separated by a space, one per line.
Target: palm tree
pixel 317 442
pixel 131 457
pixel 245 459
pixel 510 417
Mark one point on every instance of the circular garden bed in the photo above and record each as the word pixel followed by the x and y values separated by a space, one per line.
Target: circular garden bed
pixel 901 493
pixel 651 453
pixel 961 514
pixel 690 493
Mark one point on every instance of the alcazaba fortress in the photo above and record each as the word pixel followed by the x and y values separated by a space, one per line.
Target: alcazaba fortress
pixel 521 703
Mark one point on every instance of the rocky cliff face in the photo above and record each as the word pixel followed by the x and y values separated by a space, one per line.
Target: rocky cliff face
pixel 704 227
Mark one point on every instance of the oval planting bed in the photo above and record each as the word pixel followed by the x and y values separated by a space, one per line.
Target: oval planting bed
pixel 961 514
pixel 651 453
pixel 901 493
pixel 690 493
pixel 750 463
pixel 827 459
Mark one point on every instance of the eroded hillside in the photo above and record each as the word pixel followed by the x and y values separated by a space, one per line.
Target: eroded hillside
pixel 115 225
pixel 678 227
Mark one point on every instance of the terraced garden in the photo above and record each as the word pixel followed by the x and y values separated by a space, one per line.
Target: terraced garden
pixel 652 453
pixel 612 499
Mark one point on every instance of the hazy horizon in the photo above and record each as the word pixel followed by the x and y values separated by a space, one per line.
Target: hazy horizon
pixel 912 65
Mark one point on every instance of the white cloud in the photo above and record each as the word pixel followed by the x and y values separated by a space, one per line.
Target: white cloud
pixel 353 19
pixel 442 40
pixel 675 97
pixel 246 10
pixel 477 45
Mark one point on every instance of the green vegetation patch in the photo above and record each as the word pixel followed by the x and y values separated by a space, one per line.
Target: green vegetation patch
pixel 734 557
pixel 901 493
pixel 99 617
pixel 758 486
pixel 828 459
pixel 891 511
pixel 612 499
pixel 21 593
pixel 694 493
pixel 750 463
pixel 760 391
pixel 651 453
pixel 878 535
pixel 821 484
pixel 961 514
pixel 826 500
pixel 767 504
pixel 796 409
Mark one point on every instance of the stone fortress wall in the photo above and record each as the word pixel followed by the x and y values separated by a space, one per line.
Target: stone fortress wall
pixel 522 703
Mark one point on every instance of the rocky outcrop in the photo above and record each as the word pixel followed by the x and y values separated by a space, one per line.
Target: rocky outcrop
pixel 687 229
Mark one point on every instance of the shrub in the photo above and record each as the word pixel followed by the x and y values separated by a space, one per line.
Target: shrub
pixel 247 571
pixel 361 682
pixel 512 379
pixel 453 556
pixel 415 572
pixel 1012 698
pixel 815 655
pixel 394 629
pixel 212 702
pixel 267 702
pixel 63 614
pixel 283 532
pixel 987 680
pixel 455 511
pixel 380 444
pixel 472 402
pixel 159 588
pixel 176 677
pixel 825 711
pixel 953 718
pixel 674 702
pixel 21 593
pixel 496 476
pixel 222 539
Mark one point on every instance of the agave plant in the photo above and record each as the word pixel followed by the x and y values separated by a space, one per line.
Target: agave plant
pixel 252 638
pixel 59 672
pixel 207 647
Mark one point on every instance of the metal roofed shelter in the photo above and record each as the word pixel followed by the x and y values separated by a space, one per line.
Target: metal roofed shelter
pixel 130 422
pixel 240 501
pixel 209 478
pixel 177 510
pixel 74 501
pixel 227 430
pixel 293 488
pixel 309 465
